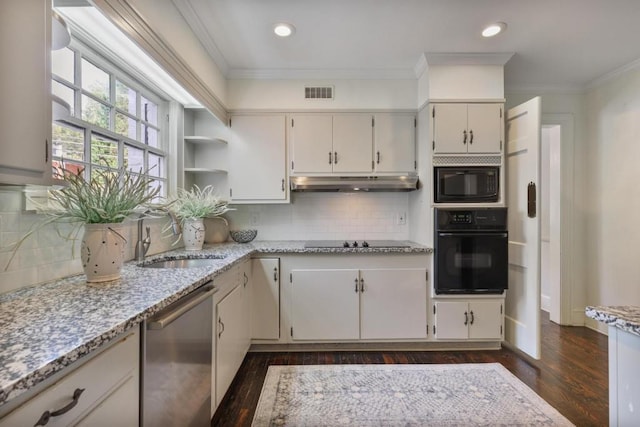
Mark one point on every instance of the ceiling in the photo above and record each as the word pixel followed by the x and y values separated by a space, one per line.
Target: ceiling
pixel 557 44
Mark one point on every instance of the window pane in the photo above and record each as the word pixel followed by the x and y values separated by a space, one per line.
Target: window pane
pixel 97 174
pixel 156 165
pixel 158 184
pixel 64 92
pixel 125 98
pixel 71 167
pixel 95 112
pixel 150 136
pixel 125 125
pixel 133 158
pixel 68 142
pixel 104 151
pixel 62 64
pixel 149 111
pixel 94 80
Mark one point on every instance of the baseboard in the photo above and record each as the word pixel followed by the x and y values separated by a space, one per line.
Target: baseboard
pixel 401 346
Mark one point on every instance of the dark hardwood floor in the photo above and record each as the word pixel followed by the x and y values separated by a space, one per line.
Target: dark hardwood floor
pixel 572 374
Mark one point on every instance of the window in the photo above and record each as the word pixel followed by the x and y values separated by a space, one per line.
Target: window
pixel 114 122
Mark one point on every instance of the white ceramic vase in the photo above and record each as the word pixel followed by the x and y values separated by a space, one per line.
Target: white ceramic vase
pixel 193 234
pixel 102 251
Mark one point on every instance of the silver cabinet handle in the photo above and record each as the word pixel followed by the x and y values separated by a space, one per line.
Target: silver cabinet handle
pixel 167 319
pixel 356 280
pixel 335 157
pixel 361 285
pixel 46 416
pixel 472 318
pixel 464 139
pixel 222 327
pixel 470 137
pixel 466 318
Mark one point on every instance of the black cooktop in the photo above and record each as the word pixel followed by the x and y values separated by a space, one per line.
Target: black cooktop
pixel 355 244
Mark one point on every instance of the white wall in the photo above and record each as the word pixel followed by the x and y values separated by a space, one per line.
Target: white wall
pixel 613 199
pixel 327 216
pixel 46 256
pixel 285 95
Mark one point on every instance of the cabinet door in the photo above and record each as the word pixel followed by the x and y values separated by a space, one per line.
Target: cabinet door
pixel 450 320
pixel 395 143
pixel 324 304
pixel 393 303
pixel 352 143
pixel 265 296
pixel 25 85
pixel 449 127
pixel 484 127
pixel 257 158
pixel 485 320
pixel 229 340
pixel 311 143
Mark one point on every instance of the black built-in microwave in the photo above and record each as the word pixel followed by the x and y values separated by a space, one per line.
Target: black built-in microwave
pixel 462 184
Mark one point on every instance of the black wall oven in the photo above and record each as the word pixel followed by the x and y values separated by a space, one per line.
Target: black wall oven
pixel 463 184
pixel 471 253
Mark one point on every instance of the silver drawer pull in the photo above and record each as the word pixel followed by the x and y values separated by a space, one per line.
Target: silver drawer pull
pixel 46 416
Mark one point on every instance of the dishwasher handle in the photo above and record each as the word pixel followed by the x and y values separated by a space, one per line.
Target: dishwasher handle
pixel 167 319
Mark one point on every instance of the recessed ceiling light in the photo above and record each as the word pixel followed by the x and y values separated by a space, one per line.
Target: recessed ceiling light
pixel 494 29
pixel 284 29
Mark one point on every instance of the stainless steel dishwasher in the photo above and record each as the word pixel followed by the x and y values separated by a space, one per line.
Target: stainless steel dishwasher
pixel 176 354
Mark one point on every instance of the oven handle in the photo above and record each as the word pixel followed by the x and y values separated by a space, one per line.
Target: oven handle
pixel 472 234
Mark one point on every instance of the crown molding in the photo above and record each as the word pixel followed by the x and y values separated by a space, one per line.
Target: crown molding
pixel 618 72
pixel 321 74
pixel 470 58
pixel 539 89
pixel 421 66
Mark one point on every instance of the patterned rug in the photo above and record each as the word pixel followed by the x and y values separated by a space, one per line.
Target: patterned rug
pixel 485 394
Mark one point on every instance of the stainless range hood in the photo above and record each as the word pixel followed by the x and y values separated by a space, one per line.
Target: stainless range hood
pixel 407 182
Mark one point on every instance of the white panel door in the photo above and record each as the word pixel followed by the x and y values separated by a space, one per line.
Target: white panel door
pixel 449 128
pixel 352 143
pixel 394 143
pixel 522 318
pixel 451 320
pixel 484 128
pixel 393 303
pixel 485 320
pixel 311 138
pixel 229 340
pixel 265 311
pixel 324 304
pixel 257 158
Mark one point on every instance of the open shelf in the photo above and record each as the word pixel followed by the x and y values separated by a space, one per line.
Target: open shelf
pixel 204 170
pixel 204 140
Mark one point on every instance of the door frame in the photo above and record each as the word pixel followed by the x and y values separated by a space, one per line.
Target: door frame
pixel 568 316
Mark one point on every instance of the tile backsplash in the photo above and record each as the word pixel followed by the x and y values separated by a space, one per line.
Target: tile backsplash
pixel 327 216
pixel 47 255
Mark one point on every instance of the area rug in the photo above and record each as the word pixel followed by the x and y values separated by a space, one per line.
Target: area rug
pixel 484 394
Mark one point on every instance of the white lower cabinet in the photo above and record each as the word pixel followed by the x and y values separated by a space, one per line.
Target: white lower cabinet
pixel 265 298
pixel 105 390
pixel 351 304
pixel 468 320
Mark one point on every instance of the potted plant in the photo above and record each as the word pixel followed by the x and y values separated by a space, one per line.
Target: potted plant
pixel 191 207
pixel 100 205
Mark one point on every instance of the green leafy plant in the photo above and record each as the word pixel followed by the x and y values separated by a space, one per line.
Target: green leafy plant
pixel 198 203
pixel 110 196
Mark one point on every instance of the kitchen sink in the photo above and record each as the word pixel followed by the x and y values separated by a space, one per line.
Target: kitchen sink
pixel 184 262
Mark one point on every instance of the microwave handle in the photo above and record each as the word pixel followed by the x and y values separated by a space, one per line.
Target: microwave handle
pixel 500 235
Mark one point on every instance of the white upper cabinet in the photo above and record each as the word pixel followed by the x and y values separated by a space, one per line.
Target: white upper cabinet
pixel 352 136
pixel 467 128
pixel 395 143
pixel 25 84
pixel 326 144
pixel 257 158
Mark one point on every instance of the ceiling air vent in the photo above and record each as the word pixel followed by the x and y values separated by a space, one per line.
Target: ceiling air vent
pixel 325 92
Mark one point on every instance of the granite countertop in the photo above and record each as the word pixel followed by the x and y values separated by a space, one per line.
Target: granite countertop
pixel 47 327
pixel 626 317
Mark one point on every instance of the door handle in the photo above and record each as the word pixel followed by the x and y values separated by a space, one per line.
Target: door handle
pixel 275 274
pixel 46 416
pixel 356 287
pixel 472 318
pixel 531 200
pixel 222 327
pixel 466 318
pixel 470 137
pixel 330 157
pixel 378 157
pixel 282 184
pixel 361 285
pixel 464 136
pixel 335 157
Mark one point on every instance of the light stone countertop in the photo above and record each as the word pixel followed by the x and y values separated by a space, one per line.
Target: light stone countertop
pixel 625 317
pixel 45 328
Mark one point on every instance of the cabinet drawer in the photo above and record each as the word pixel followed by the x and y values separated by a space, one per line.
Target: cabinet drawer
pixel 112 374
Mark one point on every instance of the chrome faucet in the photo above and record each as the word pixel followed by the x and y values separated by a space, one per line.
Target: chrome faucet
pixel 142 245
